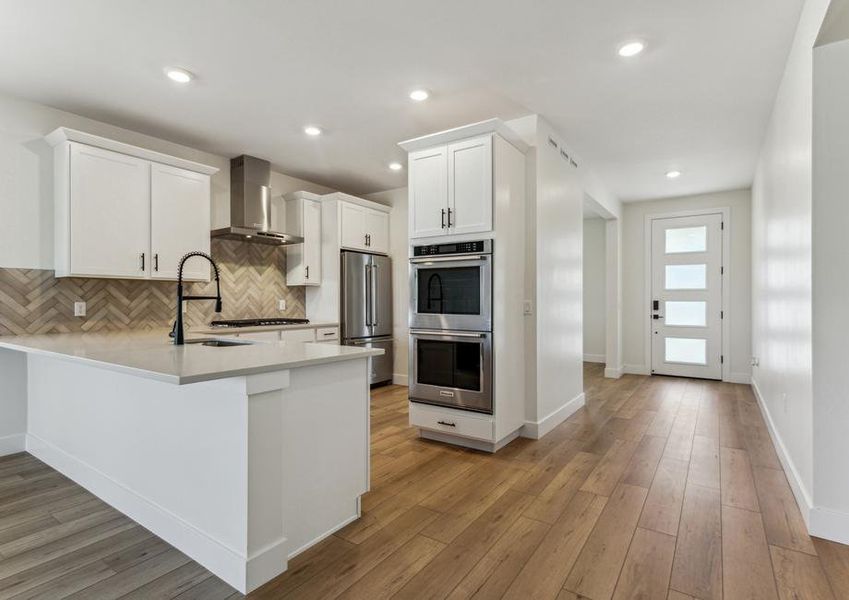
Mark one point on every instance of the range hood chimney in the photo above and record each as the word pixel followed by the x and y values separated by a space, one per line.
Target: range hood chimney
pixel 250 204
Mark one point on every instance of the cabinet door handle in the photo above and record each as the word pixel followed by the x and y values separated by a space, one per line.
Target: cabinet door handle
pixel 142 261
pixel 156 262
pixel 307 272
pixel 450 224
pixel 443 218
pixel 448 423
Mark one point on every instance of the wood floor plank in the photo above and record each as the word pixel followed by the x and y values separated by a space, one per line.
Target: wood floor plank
pixel 834 558
pixel 71 582
pixel 171 584
pixel 552 501
pixel 393 573
pixel 597 569
pixel 607 473
pixel 641 469
pixel 704 462
pixel 799 575
pixel 210 588
pixel 662 509
pixel 782 520
pixel 737 481
pixel 746 565
pixel 494 573
pixel 697 568
pixel 459 557
pixel 543 575
pixel 647 567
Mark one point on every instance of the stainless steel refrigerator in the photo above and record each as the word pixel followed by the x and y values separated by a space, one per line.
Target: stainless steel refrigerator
pixel 367 308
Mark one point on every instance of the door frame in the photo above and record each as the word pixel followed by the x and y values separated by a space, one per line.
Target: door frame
pixel 726 281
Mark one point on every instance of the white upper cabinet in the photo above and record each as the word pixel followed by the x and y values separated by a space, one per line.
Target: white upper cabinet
pixel 450 188
pixel 127 212
pixel 109 197
pixel 179 201
pixel 428 191
pixel 364 228
pixel 470 186
pixel 303 261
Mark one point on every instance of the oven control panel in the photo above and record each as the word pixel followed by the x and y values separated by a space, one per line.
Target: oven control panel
pixel 476 247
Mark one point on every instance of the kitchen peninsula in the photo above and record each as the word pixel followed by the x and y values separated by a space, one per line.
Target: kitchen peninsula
pixel 240 456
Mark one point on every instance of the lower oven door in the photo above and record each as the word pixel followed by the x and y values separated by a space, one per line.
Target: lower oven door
pixel 451 368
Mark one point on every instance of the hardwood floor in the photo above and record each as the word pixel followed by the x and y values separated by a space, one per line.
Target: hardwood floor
pixel 659 488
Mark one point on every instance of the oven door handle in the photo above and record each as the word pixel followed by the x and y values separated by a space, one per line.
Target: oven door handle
pixel 423 259
pixel 447 333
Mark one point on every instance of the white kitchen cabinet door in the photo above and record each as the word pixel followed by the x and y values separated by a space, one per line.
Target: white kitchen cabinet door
pixel 298 335
pixel 428 192
pixel 377 228
pixel 303 261
pixel 353 226
pixel 179 222
pixel 110 208
pixel 470 186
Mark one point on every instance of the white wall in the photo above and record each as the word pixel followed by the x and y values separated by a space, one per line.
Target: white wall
pixel 26 178
pixel 635 311
pixel 830 293
pixel 399 250
pixel 781 260
pixel 595 299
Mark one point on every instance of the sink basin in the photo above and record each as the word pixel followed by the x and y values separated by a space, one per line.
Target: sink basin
pixel 216 343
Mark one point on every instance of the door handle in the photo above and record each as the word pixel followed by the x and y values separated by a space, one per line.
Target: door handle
pixel 156 262
pixel 655 304
pixel 307 274
pixel 373 295
pixel 443 218
pixel 449 219
pixel 142 261
pixel 446 423
pixel 368 295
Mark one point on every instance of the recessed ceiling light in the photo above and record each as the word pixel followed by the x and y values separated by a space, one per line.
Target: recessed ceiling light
pixel 673 174
pixel 312 130
pixel 419 95
pixel 396 166
pixel 630 49
pixel 179 75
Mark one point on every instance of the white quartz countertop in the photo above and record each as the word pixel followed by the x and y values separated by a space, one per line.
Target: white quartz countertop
pixel 258 328
pixel 153 356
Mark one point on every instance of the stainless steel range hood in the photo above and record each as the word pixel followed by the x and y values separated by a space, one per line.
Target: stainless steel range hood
pixel 250 204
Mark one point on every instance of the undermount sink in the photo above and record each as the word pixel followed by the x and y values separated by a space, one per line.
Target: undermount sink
pixel 215 343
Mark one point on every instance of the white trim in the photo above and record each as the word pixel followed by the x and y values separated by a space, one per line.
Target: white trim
pixel 595 358
pixel 829 524
pixel 537 429
pixel 227 563
pixel 613 373
pixel 343 197
pixel 726 278
pixel 65 134
pixel 474 444
pixel 400 379
pixel 743 378
pixel 636 369
pixel 13 444
pixel 803 498
pixel 466 131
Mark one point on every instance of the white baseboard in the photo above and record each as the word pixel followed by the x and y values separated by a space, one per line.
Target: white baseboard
pixel 743 378
pixel 400 379
pixel 12 444
pixel 803 497
pixel 829 524
pixel 636 369
pixel 237 570
pixel 595 358
pixel 613 372
pixel 536 430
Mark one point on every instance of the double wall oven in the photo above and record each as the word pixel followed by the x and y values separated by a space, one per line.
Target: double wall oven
pixel 451 325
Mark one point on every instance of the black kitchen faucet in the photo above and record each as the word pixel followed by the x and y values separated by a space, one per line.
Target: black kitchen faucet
pixel 177 333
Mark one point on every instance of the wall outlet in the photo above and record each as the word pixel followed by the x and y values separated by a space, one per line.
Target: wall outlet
pixel 281 305
pixel 79 309
pixel 185 306
pixel 528 307
pixel 755 361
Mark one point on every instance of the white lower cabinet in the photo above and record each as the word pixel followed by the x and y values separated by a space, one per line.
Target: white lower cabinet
pixel 298 335
pixel 261 336
pixel 454 422
pixel 327 334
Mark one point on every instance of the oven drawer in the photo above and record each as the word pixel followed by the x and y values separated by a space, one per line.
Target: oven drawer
pixel 455 422
pixel 327 334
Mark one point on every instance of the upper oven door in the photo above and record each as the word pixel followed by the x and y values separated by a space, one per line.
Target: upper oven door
pixel 451 292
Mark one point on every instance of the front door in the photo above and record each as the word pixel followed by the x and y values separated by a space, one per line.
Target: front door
pixel 686 305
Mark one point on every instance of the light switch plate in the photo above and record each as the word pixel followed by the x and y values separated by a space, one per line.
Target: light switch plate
pixel 79 309
pixel 281 304
pixel 528 307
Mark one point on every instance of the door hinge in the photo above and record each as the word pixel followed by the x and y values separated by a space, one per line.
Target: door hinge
pixel 722 225
pixel 722 270
pixel 721 359
pixel 722 314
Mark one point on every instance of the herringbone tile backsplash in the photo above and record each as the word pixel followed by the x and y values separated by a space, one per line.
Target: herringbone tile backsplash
pixel 253 278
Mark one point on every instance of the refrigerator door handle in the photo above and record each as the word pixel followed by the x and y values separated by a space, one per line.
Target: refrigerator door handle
pixel 373 295
pixel 369 299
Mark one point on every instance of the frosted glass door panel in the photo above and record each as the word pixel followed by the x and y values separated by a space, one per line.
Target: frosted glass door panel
pixel 686 277
pixel 689 351
pixel 686 314
pixel 686 239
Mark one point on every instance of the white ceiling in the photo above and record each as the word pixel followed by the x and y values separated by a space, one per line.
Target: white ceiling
pixel 697 99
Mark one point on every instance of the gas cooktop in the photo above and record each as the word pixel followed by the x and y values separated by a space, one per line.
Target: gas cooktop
pixel 271 321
